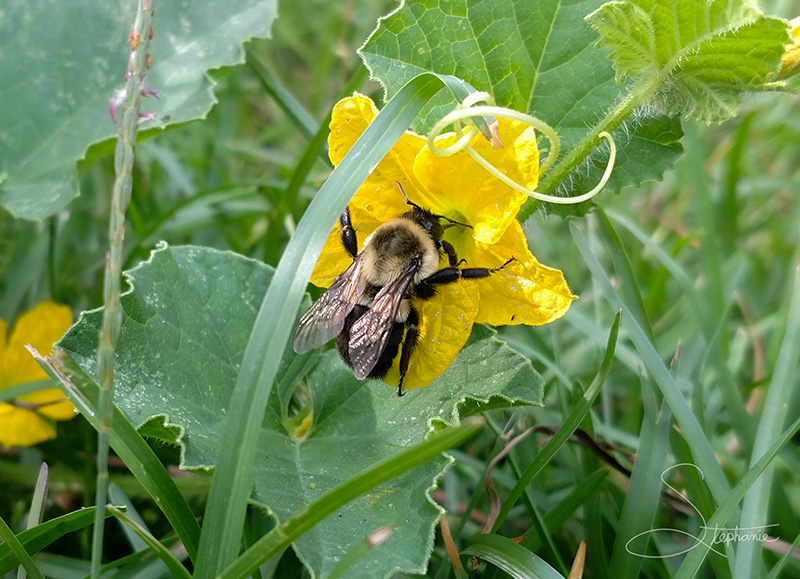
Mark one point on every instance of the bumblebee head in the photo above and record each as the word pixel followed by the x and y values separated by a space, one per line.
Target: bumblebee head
pixel 429 221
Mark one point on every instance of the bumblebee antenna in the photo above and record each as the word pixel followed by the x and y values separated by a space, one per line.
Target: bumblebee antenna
pixel 450 222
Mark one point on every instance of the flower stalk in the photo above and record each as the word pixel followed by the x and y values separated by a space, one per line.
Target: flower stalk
pixel 129 99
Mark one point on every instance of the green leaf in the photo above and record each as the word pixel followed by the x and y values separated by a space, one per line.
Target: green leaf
pixel 535 57
pixel 60 63
pixel 186 323
pixel 700 55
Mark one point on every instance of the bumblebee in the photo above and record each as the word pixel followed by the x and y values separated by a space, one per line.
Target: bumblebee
pixel 368 308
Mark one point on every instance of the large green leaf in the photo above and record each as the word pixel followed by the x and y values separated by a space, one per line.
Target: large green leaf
pixel 540 57
pixel 187 321
pixel 61 61
pixel 700 56
pixel 536 57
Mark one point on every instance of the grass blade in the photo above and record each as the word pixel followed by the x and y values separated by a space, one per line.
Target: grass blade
pixel 680 408
pixel 296 112
pixel 512 558
pixel 35 539
pixel 18 550
pixel 773 416
pixel 694 559
pixel 570 424
pixel 175 566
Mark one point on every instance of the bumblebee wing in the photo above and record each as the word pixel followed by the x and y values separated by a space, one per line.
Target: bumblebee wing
pixel 370 332
pixel 324 320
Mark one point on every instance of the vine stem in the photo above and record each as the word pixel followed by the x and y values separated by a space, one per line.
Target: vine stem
pixel 639 94
pixel 128 128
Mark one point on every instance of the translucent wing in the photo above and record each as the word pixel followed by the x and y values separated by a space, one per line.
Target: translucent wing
pixel 370 332
pixel 325 318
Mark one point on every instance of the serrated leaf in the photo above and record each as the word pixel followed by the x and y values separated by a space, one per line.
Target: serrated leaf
pixel 535 57
pixel 186 323
pixel 702 55
pixel 60 62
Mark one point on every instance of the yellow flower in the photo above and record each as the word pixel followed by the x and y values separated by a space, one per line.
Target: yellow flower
pixel 525 292
pixel 790 61
pixel 27 419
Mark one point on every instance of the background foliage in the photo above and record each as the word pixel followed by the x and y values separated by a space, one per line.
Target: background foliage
pixel 703 262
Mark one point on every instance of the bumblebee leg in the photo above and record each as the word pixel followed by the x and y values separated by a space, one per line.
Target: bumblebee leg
pixel 409 343
pixel 427 287
pixel 452 257
pixel 348 236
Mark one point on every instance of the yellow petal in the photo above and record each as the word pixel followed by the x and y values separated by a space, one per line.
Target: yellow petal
pixel 447 321
pixel 21 427
pixel 525 291
pixel 40 327
pixel 458 187
pixel 790 61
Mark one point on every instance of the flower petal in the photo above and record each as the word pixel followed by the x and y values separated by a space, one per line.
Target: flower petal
pixel 40 327
pixel 21 427
pixel 447 321
pixel 457 186
pixel 525 291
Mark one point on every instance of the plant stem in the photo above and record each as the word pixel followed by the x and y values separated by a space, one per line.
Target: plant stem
pixel 128 128
pixel 640 93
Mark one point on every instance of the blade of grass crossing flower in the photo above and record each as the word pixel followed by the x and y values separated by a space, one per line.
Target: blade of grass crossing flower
pixel 232 481
pixel 694 559
pixel 175 567
pixel 570 424
pixel 512 558
pixel 299 116
pixel 658 371
pixel 129 445
pixel 18 550
pixel 773 416
pixel 292 528
pixel 35 539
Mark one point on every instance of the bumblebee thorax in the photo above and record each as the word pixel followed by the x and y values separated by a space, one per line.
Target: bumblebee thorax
pixel 393 246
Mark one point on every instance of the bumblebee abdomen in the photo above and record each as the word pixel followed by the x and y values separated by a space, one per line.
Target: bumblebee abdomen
pixel 386 357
